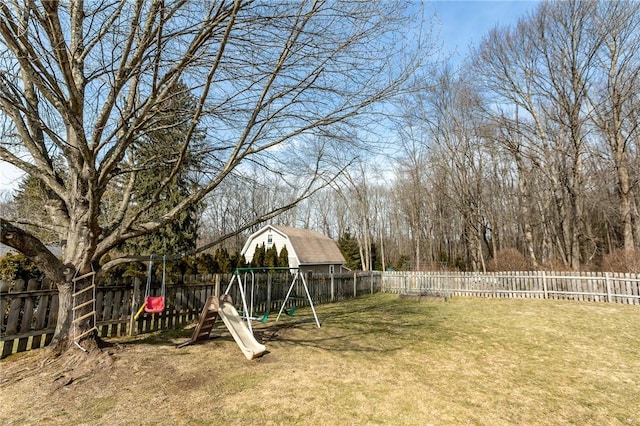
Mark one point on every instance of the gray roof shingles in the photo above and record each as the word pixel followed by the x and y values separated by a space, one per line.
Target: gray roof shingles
pixel 312 247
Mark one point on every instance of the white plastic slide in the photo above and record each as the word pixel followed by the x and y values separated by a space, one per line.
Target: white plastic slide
pixel 240 332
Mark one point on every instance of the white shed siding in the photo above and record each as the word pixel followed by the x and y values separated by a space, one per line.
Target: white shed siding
pixel 277 238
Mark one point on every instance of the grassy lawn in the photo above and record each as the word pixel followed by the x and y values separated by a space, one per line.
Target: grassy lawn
pixel 376 360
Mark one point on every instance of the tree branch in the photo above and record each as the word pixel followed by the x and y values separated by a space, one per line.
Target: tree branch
pixel 33 249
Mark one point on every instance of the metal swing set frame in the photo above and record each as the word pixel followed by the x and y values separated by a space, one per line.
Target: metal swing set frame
pixel 242 286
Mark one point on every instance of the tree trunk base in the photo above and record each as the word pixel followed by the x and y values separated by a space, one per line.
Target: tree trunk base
pixel 57 368
pixel 87 344
pixel 76 366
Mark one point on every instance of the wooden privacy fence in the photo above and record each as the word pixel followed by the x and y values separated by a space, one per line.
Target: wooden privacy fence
pixel 585 286
pixel 29 310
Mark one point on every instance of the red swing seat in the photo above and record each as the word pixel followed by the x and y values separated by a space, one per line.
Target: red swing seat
pixel 154 304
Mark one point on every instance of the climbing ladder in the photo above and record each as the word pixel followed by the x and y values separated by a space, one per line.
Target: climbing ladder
pixel 208 318
pixel 77 307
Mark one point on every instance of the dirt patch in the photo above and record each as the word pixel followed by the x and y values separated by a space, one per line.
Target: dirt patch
pixel 54 371
pixel 423 298
pixel 119 383
pixel 275 333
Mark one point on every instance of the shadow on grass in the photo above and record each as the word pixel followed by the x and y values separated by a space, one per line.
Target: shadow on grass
pixel 376 324
pixel 170 338
pixel 370 324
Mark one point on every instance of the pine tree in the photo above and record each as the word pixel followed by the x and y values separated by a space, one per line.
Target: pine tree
pixel 376 261
pixel 283 258
pixel 224 260
pixel 271 257
pixel 207 264
pixel 158 152
pixel 30 200
pixel 349 247
pixel 237 261
pixel 258 256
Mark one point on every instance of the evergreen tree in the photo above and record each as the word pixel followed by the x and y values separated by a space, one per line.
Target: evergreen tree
pixel 349 248
pixel 403 263
pixel 283 258
pixel 258 256
pixel 271 257
pixel 157 152
pixel 17 267
pixel 224 260
pixel 31 200
pixel 376 261
pixel 237 261
pixel 207 264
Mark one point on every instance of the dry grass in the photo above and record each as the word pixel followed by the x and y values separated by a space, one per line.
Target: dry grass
pixel 376 360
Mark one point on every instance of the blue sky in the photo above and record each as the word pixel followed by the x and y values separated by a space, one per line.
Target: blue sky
pixel 460 25
pixel 9 177
pixel 464 23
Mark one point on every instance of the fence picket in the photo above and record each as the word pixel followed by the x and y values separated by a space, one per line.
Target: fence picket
pixel 618 288
pixel 511 284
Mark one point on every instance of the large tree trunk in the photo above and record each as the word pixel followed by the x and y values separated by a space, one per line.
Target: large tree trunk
pixel 62 338
pixel 63 275
pixel 525 215
pixel 81 308
pixel 624 191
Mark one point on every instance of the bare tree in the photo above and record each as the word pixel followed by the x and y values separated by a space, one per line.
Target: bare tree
pixel 452 115
pixel 509 135
pixel 411 183
pixel 615 101
pixel 544 69
pixel 354 189
pixel 81 84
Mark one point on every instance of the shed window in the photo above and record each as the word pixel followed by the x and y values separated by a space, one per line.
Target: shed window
pixel 269 240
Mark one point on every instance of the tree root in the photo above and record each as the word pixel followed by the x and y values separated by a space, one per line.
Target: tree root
pixel 59 368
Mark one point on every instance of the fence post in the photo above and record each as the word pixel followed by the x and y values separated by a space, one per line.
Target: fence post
pixel 269 284
pixel 134 304
pixel 492 282
pixel 544 285
pixel 355 286
pixel 608 283
pixel 629 290
pixel 333 288
pixel 216 280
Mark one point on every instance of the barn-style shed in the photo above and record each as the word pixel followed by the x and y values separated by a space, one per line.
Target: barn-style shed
pixel 309 250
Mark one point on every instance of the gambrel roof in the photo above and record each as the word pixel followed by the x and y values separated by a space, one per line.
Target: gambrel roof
pixel 312 247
